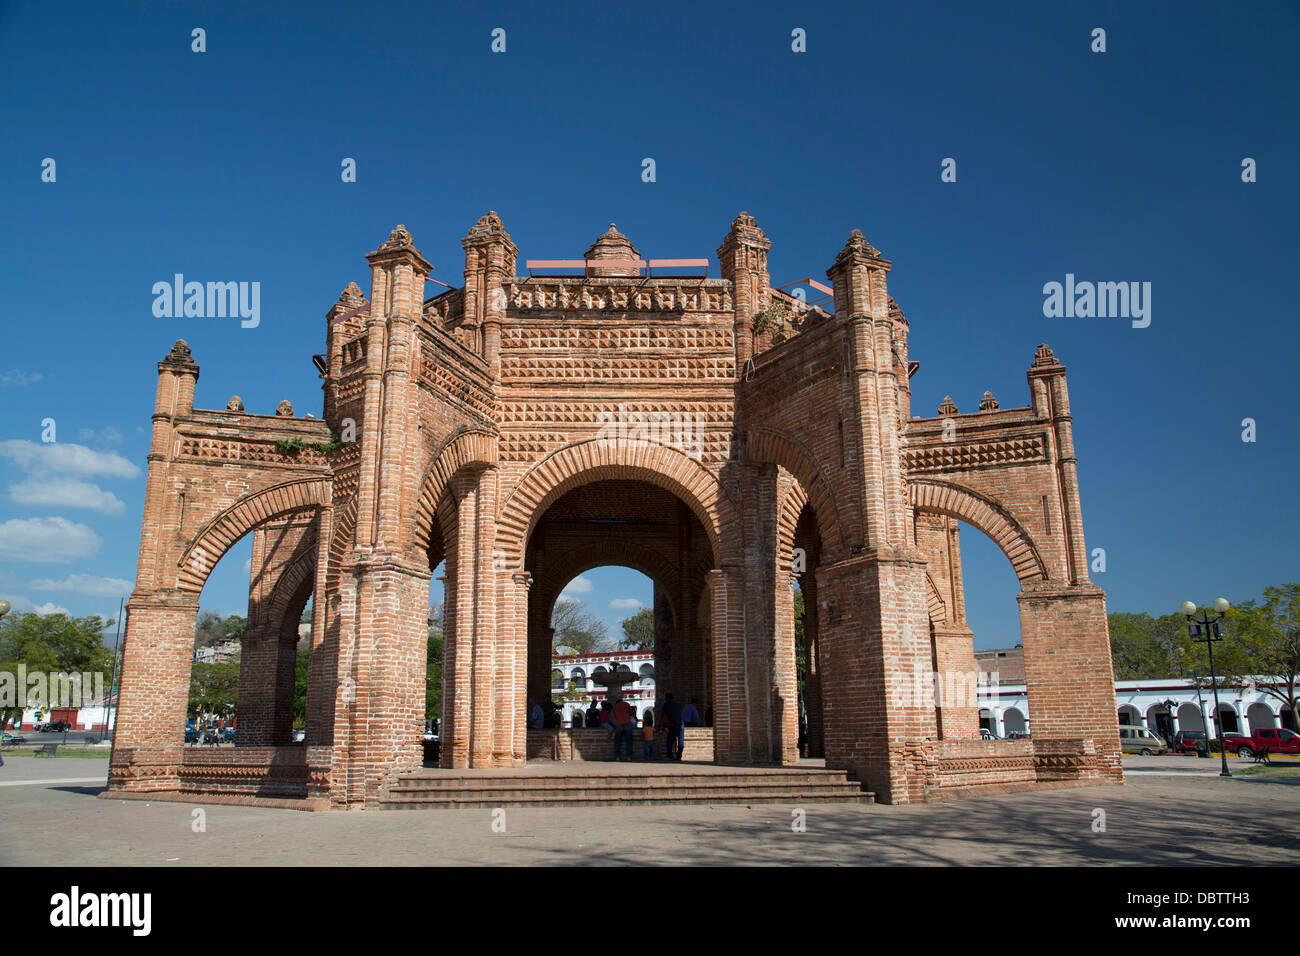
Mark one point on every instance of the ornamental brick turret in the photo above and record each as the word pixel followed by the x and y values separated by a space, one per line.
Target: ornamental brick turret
pixel 613 245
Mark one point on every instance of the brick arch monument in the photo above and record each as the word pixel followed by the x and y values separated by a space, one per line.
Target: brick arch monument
pixel 532 423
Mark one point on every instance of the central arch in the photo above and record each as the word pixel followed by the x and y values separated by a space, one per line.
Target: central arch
pixel 603 459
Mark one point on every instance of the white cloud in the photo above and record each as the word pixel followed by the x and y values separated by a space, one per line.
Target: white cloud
pixel 21 605
pixel 578 585
pixel 63 458
pixel 625 604
pixel 89 585
pixel 46 539
pixel 65 493
pixel 20 378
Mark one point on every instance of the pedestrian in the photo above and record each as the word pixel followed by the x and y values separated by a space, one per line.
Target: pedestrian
pixel 691 713
pixel 622 729
pixel 673 724
pixel 607 717
pixel 593 714
pixel 648 734
pixel 537 718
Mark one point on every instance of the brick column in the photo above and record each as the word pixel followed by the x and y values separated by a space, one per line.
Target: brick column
pixel 255 707
pixel 154 690
pixel 812 682
pixel 1068 673
pixel 876 670
pixel 756 715
pixel 957 705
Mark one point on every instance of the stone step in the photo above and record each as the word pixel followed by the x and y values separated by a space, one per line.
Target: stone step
pixel 650 798
pixel 434 789
pixel 790 779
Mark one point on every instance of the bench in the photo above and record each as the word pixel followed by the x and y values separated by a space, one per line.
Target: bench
pixel 46 750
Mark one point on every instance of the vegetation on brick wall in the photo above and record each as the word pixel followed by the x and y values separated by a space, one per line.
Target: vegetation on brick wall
pixel 292 446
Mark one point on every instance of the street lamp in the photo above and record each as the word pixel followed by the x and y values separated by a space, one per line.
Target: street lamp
pixel 1205 630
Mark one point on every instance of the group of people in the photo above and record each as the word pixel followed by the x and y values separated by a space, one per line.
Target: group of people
pixel 620 719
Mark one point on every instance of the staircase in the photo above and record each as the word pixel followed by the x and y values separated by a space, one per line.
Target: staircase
pixel 449 790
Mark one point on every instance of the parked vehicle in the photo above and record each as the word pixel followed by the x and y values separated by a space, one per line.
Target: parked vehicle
pixel 986 734
pixel 191 736
pixel 1273 740
pixel 1139 740
pixel 299 736
pixel 1018 735
pixel 1191 741
pixel 55 727
pixel 211 737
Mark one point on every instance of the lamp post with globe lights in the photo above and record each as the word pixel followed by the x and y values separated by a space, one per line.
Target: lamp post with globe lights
pixel 1205 630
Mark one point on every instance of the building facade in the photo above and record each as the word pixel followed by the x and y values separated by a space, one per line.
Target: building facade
pixel 716 433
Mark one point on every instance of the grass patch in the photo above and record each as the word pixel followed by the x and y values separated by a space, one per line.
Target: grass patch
pixel 101 752
pixel 1264 770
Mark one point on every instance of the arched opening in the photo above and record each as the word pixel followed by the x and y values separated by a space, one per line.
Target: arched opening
pixel 1014 722
pixel 1228 723
pixel 1189 718
pixel 611 563
pixel 1260 716
pixel 1130 715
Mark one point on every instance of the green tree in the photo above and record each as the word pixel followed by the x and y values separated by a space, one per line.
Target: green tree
pixel 578 628
pixel 433 667
pixel 639 630
pixel 50 643
pixel 211 628
pixel 1262 646
pixel 214 689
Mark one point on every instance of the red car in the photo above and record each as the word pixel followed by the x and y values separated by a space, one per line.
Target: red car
pixel 1273 740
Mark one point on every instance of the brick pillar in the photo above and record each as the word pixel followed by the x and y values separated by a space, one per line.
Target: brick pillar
pixel 154 690
pixel 1068 674
pixel 490 258
pixel 876 670
pixel 469 647
pixel 255 707
pixel 510 747
pixel 742 258
pixel 286 673
pixel 755 699
pixel 812 682
pixel 957 706
pixel 380 709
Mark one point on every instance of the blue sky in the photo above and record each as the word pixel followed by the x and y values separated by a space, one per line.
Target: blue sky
pixel 225 165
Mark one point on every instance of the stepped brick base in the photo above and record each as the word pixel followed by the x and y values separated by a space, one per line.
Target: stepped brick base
pixel 683 785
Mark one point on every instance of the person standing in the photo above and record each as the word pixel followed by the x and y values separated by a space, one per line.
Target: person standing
pixel 648 734
pixel 622 729
pixel 691 713
pixel 673 724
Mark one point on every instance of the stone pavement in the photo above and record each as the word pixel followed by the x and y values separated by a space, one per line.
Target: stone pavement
pixel 1172 811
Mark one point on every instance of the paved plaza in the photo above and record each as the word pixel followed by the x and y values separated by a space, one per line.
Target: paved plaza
pixel 1171 811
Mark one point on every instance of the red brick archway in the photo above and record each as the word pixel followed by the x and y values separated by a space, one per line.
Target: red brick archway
pixel 218 535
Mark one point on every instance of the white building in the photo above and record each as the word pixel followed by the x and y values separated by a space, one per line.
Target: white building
pixel 579 668
pixel 1163 706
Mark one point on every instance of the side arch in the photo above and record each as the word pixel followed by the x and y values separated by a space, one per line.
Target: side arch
pixel 601 459
pixel 774 446
pixel 957 501
pixel 464 448
pixel 216 537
